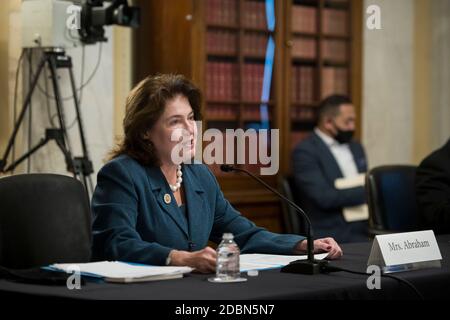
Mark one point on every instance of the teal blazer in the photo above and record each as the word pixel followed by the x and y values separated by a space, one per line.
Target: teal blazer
pixel 133 221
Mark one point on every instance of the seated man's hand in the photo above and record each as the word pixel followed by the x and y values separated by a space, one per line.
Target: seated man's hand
pixel 321 245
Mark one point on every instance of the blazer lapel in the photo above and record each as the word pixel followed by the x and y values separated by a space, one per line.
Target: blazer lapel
pixel 196 208
pixel 330 163
pixel 161 189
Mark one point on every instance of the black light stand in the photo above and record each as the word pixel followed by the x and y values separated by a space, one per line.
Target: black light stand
pixel 81 167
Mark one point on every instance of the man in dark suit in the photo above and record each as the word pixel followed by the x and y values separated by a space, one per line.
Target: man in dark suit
pixel 327 154
pixel 433 190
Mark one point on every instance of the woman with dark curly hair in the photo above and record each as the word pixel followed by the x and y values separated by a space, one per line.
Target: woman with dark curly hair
pixel 150 209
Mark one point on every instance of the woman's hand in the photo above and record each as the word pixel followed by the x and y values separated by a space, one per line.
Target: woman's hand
pixel 203 261
pixel 322 245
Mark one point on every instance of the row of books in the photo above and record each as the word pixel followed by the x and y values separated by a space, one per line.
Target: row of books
pixel 255 44
pixel 255 15
pixel 332 50
pixel 334 81
pixel 253 113
pixel 223 112
pixel 222 81
pixel 303 114
pixel 252 81
pixel 304 48
pixel 224 42
pixel 335 50
pixel 335 22
pixel 302 84
pixel 221 42
pixel 304 19
pixel 222 12
pixel 225 13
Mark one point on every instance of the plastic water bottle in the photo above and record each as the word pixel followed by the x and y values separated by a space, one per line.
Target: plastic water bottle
pixel 227 258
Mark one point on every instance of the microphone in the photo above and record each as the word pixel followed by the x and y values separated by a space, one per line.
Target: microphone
pixel 310 266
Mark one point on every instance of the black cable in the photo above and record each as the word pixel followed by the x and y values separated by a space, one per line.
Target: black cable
pixel 30 114
pixel 83 84
pixel 47 101
pixel 329 268
pixel 19 63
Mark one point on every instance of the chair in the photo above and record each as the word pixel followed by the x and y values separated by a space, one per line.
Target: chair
pixel 392 199
pixel 292 220
pixel 44 219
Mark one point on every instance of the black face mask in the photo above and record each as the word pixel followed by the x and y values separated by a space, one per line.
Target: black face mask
pixel 343 136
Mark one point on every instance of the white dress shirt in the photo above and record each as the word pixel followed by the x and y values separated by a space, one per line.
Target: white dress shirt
pixel 341 153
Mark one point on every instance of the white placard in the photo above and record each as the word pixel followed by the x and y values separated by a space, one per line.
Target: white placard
pixel 404 248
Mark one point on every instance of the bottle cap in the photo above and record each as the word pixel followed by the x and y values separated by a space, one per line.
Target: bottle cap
pixel 228 236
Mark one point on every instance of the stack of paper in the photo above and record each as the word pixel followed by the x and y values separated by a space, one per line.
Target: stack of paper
pixel 115 271
pixel 355 213
pixel 256 261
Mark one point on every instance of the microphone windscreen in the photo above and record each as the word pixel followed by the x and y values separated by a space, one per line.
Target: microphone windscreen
pixel 226 168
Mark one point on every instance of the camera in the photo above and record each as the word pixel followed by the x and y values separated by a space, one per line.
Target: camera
pixel 95 14
pixel 62 23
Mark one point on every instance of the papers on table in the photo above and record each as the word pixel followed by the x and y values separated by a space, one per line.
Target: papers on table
pixel 115 271
pixel 256 261
pixel 355 213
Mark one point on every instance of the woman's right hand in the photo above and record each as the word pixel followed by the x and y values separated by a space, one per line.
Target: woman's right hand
pixel 203 261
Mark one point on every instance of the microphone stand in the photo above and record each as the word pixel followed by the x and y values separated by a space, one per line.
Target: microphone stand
pixel 309 266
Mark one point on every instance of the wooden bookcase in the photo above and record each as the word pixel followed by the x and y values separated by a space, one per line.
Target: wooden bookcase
pixel 322 57
pixel 222 46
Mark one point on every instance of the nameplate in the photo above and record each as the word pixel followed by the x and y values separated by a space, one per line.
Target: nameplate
pixel 405 251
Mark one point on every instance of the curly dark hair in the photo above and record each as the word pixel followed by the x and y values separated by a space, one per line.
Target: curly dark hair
pixel 144 105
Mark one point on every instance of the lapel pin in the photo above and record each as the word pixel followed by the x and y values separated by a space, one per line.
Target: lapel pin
pixel 167 198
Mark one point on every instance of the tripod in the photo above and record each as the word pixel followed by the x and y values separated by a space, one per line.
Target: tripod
pixel 80 167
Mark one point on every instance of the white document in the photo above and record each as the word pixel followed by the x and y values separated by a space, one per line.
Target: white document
pixel 115 271
pixel 355 213
pixel 352 182
pixel 257 261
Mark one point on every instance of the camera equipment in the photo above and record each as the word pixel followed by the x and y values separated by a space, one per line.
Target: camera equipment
pixel 80 166
pixel 54 23
pixel 49 26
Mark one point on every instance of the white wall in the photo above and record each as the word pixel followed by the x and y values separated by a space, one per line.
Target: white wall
pixel 440 10
pixel 406 81
pixel 388 84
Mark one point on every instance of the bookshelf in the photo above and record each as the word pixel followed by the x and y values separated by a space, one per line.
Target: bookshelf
pixel 319 57
pixel 259 66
